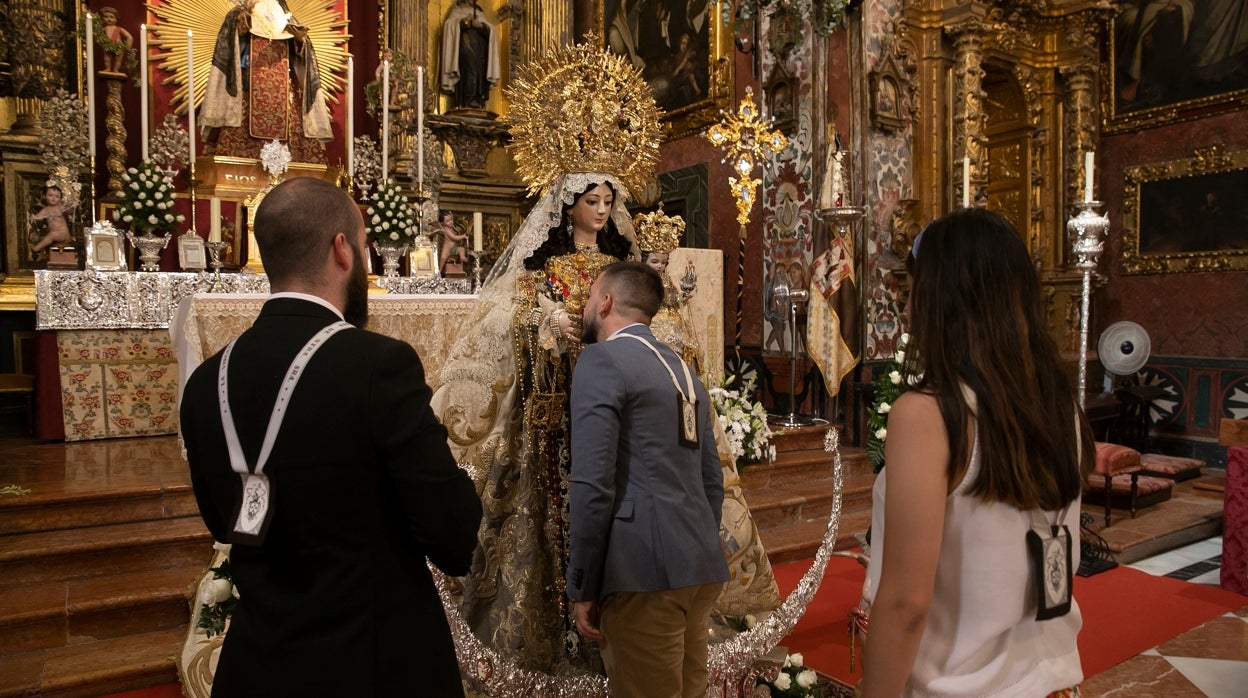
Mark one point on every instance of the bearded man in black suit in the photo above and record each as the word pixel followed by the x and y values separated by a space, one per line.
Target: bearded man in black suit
pixel 334 510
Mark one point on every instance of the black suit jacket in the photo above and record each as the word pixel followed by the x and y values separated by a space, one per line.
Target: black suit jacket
pixel 338 601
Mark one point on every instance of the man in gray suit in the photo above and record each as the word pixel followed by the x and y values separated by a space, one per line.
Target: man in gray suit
pixel 645 562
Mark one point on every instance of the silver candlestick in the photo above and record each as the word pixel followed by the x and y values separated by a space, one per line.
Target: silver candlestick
pixel 476 269
pixel 215 250
pixel 1087 230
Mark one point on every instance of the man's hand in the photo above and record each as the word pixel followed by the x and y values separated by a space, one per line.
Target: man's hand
pixel 585 617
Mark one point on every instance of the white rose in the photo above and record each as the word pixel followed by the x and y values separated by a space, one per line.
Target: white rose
pixel 152 219
pixel 134 186
pixel 159 195
pixel 807 678
pixel 132 171
pixel 797 659
pixel 127 218
pixel 215 591
pixel 900 356
pixel 394 236
pixel 905 338
pixel 376 219
pixel 783 681
pixel 169 217
pixel 885 408
pixel 881 433
pixel 138 205
pixel 181 217
pixel 895 378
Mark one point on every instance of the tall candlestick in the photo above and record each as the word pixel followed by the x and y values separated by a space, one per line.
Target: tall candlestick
pixel 214 212
pixel 385 120
pixel 90 85
pixel 476 230
pixel 190 96
pixel 350 134
pixel 966 182
pixel 1087 175
pixel 143 137
pixel 420 126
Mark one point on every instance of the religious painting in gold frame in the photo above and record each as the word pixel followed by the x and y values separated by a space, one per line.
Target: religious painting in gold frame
pixel 687 59
pixel 1186 215
pixel 1174 61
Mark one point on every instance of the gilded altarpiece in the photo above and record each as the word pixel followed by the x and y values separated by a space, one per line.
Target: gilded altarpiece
pixel 1008 85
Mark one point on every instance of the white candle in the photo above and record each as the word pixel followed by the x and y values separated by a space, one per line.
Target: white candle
pixel 350 134
pixel 143 137
pixel 90 85
pixel 214 213
pixel 476 230
pixel 1087 175
pixel 190 96
pixel 966 182
pixel 385 120
pixel 420 126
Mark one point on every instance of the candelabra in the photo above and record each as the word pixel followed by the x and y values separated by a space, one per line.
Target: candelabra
pixel 1086 229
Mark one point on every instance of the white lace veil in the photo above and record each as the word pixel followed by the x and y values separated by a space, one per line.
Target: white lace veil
pixel 475 389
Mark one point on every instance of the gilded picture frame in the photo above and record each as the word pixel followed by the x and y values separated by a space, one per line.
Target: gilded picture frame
pixel 1171 62
pixel 684 52
pixel 1184 215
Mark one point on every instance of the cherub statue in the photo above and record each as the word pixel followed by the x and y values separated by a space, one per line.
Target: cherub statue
pixel 114 54
pixel 55 212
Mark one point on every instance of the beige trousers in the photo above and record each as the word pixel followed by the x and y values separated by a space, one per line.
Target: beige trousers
pixel 654 642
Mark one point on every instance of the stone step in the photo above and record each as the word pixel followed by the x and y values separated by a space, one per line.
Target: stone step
pixel 59 556
pixel 799 540
pixel 806 501
pixel 791 467
pixel 799 438
pixel 52 506
pixel 45 616
pixel 89 669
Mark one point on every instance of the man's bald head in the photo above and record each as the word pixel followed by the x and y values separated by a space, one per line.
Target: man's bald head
pixel 295 225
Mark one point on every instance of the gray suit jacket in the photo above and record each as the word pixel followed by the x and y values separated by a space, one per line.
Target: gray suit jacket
pixel 645 510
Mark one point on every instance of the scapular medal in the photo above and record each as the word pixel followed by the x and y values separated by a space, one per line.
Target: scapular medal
pixel 688 420
pixel 255 504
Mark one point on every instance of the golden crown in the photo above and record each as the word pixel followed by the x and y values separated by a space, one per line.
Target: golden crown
pixel 580 108
pixel 658 232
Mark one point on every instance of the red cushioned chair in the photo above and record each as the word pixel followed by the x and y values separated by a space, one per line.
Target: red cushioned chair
pixel 1113 460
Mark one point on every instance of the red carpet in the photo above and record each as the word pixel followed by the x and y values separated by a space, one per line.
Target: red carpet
pixel 1125 612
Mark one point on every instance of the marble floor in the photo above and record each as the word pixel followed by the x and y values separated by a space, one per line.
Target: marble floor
pixel 1208 660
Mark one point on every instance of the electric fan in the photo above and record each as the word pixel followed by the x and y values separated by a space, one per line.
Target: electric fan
pixel 1123 349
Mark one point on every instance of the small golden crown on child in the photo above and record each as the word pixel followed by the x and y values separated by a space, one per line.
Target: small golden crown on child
pixel 658 232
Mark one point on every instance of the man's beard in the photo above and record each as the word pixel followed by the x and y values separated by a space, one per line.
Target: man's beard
pixel 356 311
pixel 589 329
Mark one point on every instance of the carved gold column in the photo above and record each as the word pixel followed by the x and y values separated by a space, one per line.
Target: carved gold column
pixel 1081 121
pixel 546 23
pixel 969 118
pixel 115 122
pixel 409 33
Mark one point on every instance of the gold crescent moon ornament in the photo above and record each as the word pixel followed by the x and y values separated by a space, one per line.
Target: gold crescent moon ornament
pixel 327 29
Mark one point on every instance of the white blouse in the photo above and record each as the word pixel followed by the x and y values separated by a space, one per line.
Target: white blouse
pixel 982 637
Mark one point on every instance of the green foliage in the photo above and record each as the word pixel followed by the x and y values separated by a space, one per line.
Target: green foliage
pixel 891 380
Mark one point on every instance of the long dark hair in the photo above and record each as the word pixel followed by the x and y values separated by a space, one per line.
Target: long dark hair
pixel 976 320
pixel 559 238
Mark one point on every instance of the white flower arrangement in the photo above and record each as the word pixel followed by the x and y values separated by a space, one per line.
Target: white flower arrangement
pixel 390 218
pixel 794 680
pixel 367 165
pixel 744 423
pixel 275 157
pixel 891 381
pixel 147 201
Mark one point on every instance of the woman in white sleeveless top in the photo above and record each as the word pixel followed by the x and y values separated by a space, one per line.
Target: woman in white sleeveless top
pixel 990 444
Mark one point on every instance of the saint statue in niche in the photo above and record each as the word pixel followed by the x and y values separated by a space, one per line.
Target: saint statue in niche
pixel 264 83
pixel 470 65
